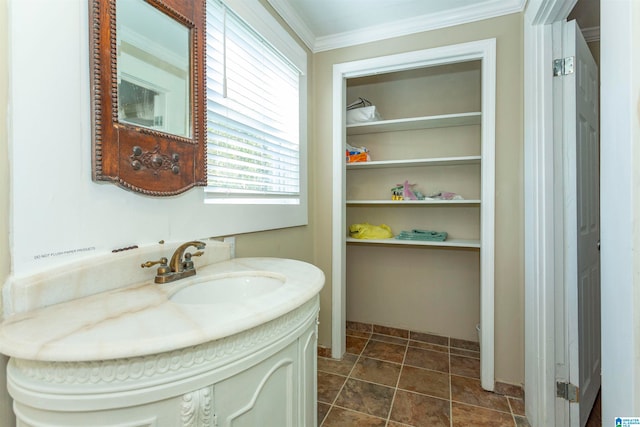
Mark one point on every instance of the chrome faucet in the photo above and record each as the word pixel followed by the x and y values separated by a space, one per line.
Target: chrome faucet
pixel 180 266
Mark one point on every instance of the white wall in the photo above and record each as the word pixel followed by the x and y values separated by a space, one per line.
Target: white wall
pixel 6 415
pixel 58 213
pixel 620 207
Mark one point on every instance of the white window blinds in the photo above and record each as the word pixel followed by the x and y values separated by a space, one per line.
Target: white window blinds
pixel 253 109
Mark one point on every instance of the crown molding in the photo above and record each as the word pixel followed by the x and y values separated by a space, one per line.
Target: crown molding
pixel 543 12
pixel 462 15
pixel 297 24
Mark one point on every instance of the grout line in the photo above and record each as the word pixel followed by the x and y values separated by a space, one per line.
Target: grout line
pixel 395 390
pixel 513 416
pixel 408 344
pixel 359 412
pixel 380 360
pixel 465 356
pixel 450 391
pixel 482 407
pixel 401 424
pixel 325 416
pixel 427 395
pixel 372 382
pixel 359 355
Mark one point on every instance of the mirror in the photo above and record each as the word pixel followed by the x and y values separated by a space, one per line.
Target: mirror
pixel 148 94
pixel 153 69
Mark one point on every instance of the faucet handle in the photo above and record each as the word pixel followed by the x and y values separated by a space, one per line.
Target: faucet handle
pixel 188 255
pixel 187 264
pixel 162 261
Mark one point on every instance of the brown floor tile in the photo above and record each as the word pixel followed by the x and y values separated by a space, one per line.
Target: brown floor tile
pixel 466 415
pixel 427 359
pixel 337 366
pixel 328 386
pixel 377 371
pixel 323 409
pixel 437 384
pixel 465 366
pixel 388 338
pixel 386 330
pixel 384 351
pixel 358 334
pixel 339 417
pixel 359 326
pixel 324 351
pixel 429 346
pixel 511 390
pixel 420 410
pixel 464 344
pixel 430 338
pixel 369 398
pixel 425 381
pixel 468 390
pixel 517 406
pixel 355 344
pixel 466 353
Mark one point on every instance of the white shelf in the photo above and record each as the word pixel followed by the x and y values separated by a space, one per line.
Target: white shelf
pixel 413 123
pixel 471 202
pixel 452 243
pixel 441 161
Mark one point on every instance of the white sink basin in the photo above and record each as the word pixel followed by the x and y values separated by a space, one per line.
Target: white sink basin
pixel 232 287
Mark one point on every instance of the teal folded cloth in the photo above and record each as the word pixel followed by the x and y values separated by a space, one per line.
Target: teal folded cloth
pixel 423 235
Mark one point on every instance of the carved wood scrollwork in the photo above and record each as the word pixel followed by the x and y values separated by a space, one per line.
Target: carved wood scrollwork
pixel 197 408
pixel 138 158
pixel 154 160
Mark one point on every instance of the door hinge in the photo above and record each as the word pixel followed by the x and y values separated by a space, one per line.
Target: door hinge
pixel 563 66
pixel 567 391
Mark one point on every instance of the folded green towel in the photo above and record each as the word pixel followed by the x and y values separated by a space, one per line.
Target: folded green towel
pixel 423 235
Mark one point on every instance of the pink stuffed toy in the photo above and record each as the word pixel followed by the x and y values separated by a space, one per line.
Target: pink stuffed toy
pixel 407 192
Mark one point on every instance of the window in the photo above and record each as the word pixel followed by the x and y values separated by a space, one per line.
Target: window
pixel 256 92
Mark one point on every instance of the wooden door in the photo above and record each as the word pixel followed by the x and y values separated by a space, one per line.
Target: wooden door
pixel 582 223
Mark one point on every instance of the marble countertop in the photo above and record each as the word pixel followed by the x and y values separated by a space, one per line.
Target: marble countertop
pixel 141 319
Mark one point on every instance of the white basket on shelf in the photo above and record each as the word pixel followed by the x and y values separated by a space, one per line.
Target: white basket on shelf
pixel 362 111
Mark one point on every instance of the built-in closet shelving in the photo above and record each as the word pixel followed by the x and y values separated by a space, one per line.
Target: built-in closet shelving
pixel 436 131
pixel 414 124
pixel 411 164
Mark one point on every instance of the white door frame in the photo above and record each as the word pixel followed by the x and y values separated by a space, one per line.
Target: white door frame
pixel 620 178
pixel 484 50
pixel 541 186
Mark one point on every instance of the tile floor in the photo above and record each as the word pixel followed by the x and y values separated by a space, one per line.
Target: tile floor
pixel 396 378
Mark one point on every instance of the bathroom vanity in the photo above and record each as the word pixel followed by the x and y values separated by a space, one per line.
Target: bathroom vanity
pixel 234 345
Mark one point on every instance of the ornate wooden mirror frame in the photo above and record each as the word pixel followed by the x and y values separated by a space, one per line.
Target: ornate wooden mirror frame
pixel 138 158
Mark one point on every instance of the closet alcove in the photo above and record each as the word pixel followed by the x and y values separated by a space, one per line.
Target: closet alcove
pixel 437 131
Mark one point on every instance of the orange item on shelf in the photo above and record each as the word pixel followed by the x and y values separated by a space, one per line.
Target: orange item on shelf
pixel 360 157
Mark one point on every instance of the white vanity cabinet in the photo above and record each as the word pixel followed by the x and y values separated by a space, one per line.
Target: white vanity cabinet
pixel 270 393
pixel 264 376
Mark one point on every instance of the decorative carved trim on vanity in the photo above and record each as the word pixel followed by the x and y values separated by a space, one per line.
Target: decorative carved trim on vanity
pixel 173 365
pixel 196 409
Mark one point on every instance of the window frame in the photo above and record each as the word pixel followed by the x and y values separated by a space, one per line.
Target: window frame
pixel 267 212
